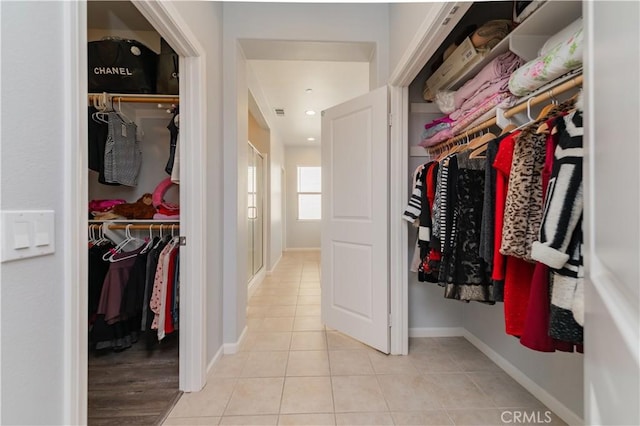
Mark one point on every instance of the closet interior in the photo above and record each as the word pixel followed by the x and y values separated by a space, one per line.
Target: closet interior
pixel 134 218
pixel 495 154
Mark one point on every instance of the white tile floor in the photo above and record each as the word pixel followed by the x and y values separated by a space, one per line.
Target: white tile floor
pixel 292 370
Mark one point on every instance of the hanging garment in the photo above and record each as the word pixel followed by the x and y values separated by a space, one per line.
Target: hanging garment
pixel 159 286
pixel 173 143
pixel 412 212
pixel 502 164
pixel 175 301
pixel 523 206
pixel 517 289
pixel 466 274
pixel 133 294
pixel 535 334
pixel 122 158
pixel 488 209
pixel 98 270
pixel 114 284
pixel 430 249
pixel 561 232
pixel 98 133
pixel 175 172
pixel 167 318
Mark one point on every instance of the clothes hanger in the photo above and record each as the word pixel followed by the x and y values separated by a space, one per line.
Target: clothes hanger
pixel 92 235
pixel 100 103
pixel 508 129
pixel 150 242
pixel 129 238
pixel 531 119
pixel 102 239
pixel 161 237
pixel 122 115
pixel 480 141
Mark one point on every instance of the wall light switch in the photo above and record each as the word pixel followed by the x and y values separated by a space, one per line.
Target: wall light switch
pixel 42 233
pixel 21 235
pixel 26 234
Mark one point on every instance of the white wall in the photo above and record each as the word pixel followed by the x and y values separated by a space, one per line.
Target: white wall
pixel 33 142
pixel 32 167
pixel 558 373
pixel 204 19
pixel 404 21
pixel 612 219
pixel 300 233
pixel 276 21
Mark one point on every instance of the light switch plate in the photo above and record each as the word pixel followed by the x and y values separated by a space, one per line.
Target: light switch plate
pixel 26 233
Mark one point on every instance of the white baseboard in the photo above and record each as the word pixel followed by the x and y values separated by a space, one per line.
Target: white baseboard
pixel 255 282
pixel 215 359
pixel 275 265
pixel 437 332
pixel 232 348
pixel 303 249
pixel 536 390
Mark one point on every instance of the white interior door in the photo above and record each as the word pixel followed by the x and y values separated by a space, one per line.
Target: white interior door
pixel 355 270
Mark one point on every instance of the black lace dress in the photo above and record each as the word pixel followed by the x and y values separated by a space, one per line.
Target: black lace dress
pixel 464 273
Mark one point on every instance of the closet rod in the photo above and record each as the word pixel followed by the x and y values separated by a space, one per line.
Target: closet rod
pixel 545 96
pixel 153 227
pixel 152 99
pixel 542 97
pixel 480 127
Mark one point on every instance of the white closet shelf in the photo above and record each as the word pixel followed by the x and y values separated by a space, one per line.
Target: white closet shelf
pixel 527 38
pixel 425 108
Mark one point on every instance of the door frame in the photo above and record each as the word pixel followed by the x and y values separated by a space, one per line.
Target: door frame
pixel 192 364
pixel 434 29
pixel 259 276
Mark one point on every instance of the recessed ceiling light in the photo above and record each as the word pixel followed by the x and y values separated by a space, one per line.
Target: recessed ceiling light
pixel 308 90
pixel 311 139
pixel 310 112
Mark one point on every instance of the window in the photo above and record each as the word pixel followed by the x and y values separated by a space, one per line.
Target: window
pixel 309 195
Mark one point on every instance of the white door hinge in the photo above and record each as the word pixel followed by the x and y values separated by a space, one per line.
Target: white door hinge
pixel 390 121
pixel 183 240
pixel 390 320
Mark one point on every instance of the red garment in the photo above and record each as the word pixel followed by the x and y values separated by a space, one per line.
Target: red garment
pixel 516 273
pixel 502 164
pixel 434 256
pixel 517 288
pixel 535 334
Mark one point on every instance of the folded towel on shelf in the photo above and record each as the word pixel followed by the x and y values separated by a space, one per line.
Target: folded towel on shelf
pixel 160 216
pixel 473 117
pixel 490 80
pixel 445 119
pixel 435 129
pixel 558 61
pixel 437 138
pixel 476 113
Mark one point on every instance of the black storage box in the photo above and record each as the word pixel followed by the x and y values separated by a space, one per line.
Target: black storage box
pixel 121 66
pixel 168 76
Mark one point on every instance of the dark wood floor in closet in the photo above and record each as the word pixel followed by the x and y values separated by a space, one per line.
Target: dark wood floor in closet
pixel 133 387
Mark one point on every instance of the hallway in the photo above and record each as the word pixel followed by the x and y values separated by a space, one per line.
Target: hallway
pixel 291 370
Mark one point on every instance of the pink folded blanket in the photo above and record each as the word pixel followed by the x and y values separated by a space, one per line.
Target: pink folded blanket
pixel 492 74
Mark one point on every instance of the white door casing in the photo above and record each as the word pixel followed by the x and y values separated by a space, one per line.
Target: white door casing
pixel 355 212
pixel 167 21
